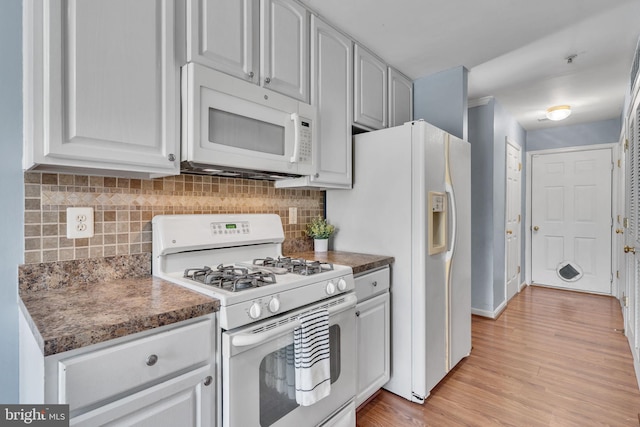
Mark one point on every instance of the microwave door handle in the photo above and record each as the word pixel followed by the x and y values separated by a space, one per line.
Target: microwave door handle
pixel 296 142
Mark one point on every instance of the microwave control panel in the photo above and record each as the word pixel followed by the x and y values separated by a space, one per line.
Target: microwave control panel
pixel 306 142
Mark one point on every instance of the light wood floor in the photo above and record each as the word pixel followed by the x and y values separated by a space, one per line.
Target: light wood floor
pixel 553 358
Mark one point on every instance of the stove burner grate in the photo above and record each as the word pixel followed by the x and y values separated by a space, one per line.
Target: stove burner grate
pixel 295 265
pixel 230 278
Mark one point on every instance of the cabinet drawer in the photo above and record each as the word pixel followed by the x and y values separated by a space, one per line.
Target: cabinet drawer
pixel 371 284
pixel 112 372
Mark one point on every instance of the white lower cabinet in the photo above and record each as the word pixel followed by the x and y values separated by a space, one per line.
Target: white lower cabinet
pixel 162 377
pixel 372 331
pixel 183 401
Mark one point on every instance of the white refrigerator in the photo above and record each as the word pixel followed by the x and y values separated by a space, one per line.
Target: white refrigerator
pixel 411 200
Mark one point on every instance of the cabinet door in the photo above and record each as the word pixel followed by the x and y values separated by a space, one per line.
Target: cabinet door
pixel 370 90
pixel 331 94
pixel 102 89
pixel 223 35
pixel 285 48
pixel 400 98
pixel 372 329
pixel 188 400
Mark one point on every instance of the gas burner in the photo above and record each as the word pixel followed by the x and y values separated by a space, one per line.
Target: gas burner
pixel 295 265
pixel 229 277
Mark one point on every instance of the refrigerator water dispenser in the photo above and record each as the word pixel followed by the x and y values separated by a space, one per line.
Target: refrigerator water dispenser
pixel 437 222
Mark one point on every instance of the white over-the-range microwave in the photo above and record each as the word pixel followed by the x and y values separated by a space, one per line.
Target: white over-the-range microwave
pixel 235 128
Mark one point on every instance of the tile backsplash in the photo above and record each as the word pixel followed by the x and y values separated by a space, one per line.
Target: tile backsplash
pixel 123 209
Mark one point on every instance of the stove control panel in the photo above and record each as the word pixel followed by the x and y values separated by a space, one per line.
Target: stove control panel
pixel 283 301
pixel 240 227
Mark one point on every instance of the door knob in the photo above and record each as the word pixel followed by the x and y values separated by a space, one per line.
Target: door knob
pixel 536 228
pixel 509 232
pixel 628 249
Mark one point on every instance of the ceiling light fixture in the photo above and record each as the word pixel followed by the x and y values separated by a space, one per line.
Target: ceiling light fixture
pixel 559 112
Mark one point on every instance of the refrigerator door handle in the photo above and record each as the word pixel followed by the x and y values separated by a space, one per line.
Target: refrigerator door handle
pixel 448 186
pixel 452 210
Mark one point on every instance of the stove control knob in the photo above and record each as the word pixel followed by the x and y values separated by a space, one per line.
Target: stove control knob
pixel 331 288
pixel 274 305
pixel 342 285
pixel 255 310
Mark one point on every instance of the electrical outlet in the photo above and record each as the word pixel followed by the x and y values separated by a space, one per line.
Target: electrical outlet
pixel 79 223
pixel 293 215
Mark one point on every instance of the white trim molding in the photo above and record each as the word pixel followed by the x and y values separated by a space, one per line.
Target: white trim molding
pixel 478 102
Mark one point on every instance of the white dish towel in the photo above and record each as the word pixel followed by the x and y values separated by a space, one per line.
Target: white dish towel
pixel 312 357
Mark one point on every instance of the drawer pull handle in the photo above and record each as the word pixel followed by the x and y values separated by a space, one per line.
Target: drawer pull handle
pixel 151 360
pixel 374 283
pixel 208 380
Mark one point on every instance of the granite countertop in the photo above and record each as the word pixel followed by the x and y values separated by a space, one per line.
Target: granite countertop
pixel 72 317
pixel 360 263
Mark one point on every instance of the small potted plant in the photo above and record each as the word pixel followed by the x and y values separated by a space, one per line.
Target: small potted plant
pixel 320 230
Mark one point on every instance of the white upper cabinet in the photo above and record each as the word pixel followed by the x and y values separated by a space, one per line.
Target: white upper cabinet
pixel 224 35
pixel 101 87
pixel 331 76
pixel 266 42
pixel 284 59
pixel 370 90
pixel 331 94
pixel 400 98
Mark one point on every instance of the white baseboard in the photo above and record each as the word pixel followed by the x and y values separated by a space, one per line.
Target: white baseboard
pixel 498 311
pixel 490 314
pixel 634 354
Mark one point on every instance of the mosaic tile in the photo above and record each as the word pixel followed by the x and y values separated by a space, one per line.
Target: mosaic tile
pixel 123 209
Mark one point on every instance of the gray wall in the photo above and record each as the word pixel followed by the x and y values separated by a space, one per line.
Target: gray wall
pixel 481 139
pixel 441 99
pixel 601 132
pixel 489 126
pixel 11 193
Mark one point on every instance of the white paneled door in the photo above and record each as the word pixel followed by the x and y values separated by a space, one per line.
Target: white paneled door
pixel 513 218
pixel 571 220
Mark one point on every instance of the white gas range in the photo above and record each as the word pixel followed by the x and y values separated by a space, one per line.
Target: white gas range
pixel 238 260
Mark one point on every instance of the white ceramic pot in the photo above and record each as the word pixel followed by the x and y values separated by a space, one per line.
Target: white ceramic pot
pixel 320 245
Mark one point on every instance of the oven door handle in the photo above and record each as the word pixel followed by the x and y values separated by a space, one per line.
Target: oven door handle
pixel 248 339
pixel 243 340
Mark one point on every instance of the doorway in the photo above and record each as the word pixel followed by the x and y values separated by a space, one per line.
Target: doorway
pixel 571 219
pixel 513 219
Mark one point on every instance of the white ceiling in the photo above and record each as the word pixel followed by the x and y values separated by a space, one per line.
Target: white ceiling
pixel 514 50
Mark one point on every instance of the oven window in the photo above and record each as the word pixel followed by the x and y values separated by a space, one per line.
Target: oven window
pixel 277 379
pixel 243 132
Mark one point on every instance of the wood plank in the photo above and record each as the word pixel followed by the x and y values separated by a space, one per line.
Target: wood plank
pixel 552 358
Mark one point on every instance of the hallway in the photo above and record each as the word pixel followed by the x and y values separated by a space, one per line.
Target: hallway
pixel 553 358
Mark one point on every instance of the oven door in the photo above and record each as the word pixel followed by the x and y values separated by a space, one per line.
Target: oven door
pixel 258 385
